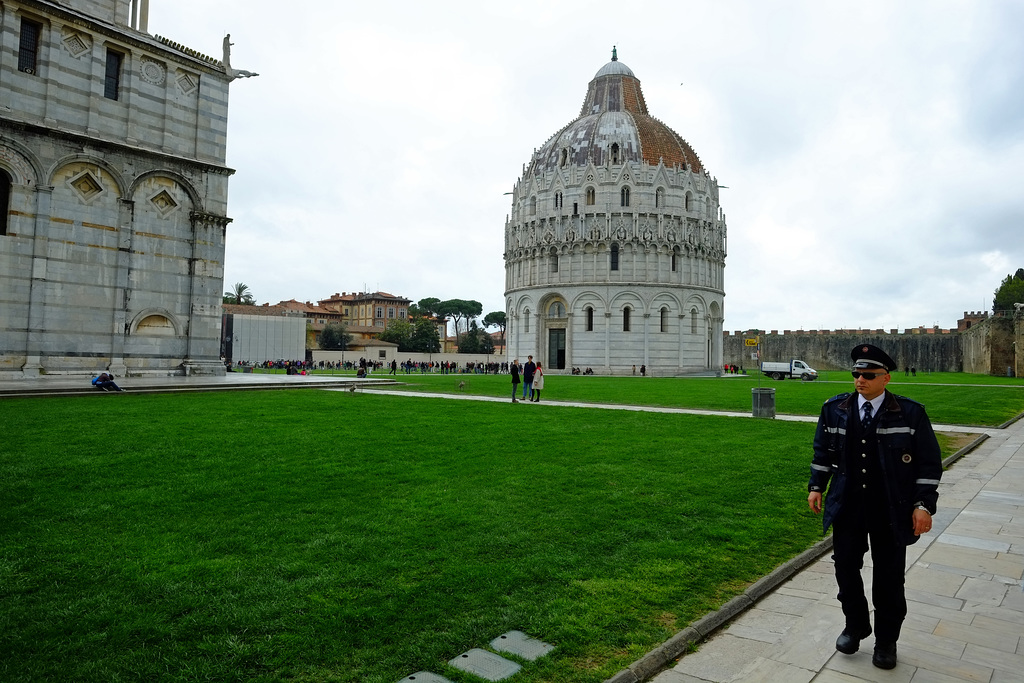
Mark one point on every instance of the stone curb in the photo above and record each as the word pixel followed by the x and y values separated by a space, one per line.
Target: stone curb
pixel 1011 421
pixel 702 629
pixel 677 646
pixel 968 448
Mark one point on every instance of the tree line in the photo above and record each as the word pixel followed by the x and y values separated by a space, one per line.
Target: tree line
pixel 1009 292
pixel 418 333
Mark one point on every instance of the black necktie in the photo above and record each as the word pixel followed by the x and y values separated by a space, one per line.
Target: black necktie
pixel 867 415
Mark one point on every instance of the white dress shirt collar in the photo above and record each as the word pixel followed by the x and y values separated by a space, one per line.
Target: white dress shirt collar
pixel 876 403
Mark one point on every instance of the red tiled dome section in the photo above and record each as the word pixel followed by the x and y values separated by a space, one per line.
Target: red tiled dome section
pixel 633 96
pixel 659 142
pixel 614 113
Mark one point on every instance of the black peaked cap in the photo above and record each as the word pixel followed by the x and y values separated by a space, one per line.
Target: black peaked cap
pixel 867 356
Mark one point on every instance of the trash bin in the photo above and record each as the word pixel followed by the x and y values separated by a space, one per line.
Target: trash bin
pixel 764 402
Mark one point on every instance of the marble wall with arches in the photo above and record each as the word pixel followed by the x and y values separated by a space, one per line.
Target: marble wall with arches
pixel 113 194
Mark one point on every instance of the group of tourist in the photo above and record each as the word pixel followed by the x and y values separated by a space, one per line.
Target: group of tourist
pixel 532 376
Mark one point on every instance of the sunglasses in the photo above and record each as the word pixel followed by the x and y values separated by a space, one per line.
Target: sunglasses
pixel 867 375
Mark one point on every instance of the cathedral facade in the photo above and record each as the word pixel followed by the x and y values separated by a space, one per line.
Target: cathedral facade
pixel 615 246
pixel 113 193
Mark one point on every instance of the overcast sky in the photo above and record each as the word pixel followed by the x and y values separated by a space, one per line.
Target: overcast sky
pixel 873 150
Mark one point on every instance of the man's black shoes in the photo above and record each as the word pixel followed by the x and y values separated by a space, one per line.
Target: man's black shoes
pixel 885 656
pixel 848 641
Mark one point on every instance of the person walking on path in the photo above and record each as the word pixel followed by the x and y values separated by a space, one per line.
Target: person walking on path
pixel 514 369
pixel 877 455
pixel 538 383
pixel 528 370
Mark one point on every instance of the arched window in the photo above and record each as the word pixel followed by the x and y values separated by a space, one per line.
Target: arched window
pixel 533 206
pixel 664 319
pixel 556 310
pixel 526 321
pixel 565 157
pixel 590 318
pixel 689 201
pixel 693 321
pixel 6 182
pixel 615 153
pixel 554 260
pixel 558 200
pixel 625 318
pixel 155 325
pixel 624 196
pixel 591 196
pixel 615 257
pixel 675 259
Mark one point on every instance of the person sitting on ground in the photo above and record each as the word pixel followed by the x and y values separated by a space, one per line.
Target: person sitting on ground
pixel 105 382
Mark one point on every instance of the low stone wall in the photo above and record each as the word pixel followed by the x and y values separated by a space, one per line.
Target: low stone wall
pixel 992 346
pixel 924 352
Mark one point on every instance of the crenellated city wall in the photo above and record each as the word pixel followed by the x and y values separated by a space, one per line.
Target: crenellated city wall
pixel 989 346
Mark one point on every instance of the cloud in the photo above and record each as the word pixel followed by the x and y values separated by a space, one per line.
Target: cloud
pixel 870 150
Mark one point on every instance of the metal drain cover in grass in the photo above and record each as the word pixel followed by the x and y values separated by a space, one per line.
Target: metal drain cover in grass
pixel 424 677
pixel 485 664
pixel 522 645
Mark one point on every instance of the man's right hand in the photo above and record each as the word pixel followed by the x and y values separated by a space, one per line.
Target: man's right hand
pixel 814 501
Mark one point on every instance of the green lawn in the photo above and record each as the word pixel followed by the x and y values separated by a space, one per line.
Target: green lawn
pixel 329 536
pixel 972 399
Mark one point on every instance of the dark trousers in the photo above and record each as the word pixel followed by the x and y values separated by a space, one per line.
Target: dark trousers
pixel 859 523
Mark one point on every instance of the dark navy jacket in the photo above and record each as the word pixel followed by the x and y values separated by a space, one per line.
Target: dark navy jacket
pixel 908 454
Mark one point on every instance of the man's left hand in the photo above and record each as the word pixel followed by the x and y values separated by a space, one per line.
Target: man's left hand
pixel 922 522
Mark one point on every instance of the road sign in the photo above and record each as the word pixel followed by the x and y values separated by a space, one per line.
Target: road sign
pixel 751 342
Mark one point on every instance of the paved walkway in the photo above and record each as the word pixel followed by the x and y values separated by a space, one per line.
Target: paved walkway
pixel 966 620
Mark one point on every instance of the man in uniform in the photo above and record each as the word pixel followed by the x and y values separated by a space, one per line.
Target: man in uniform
pixel 880 454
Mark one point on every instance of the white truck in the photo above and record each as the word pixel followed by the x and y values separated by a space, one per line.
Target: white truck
pixel 794 368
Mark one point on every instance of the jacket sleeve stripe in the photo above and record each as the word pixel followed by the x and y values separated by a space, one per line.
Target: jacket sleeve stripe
pixel 927 482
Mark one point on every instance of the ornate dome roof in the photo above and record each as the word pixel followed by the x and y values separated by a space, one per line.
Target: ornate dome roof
pixel 614 126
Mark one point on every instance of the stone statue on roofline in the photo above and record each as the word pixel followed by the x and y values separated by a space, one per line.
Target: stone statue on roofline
pixel 233 73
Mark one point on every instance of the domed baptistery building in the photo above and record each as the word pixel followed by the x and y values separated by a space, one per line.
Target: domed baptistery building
pixel 615 248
